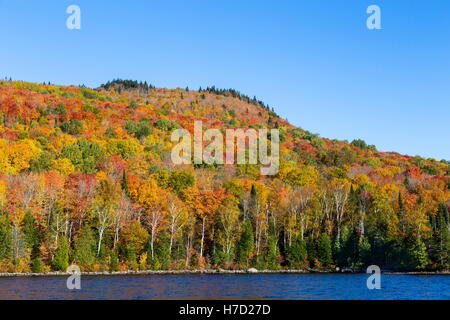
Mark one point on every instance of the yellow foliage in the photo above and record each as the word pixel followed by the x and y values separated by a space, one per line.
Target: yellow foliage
pixel 2 193
pixel 304 176
pixel 15 157
pixel 101 175
pixel 63 166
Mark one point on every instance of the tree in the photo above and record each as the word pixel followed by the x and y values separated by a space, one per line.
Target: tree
pixel 204 203
pixel 229 218
pixel 85 248
pixel 105 207
pixel 84 155
pixel 177 217
pixel 324 253
pixel 30 231
pixel 152 199
pixel 61 259
pixel 440 241
pixel 297 253
pixel 134 240
pixel 245 245
pixel 5 238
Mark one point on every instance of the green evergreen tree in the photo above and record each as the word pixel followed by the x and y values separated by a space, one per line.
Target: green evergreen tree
pixel 324 253
pixel 162 252
pixel 272 254
pixel 6 238
pixel 85 248
pixel 36 261
pixel 30 230
pixel 439 247
pixel 61 259
pixel 419 256
pixel 245 244
pixel 124 182
pixel 311 248
pixel 297 253
pixel 114 262
pixel 364 251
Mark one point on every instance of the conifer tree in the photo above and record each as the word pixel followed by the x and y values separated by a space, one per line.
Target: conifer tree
pixel 324 253
pixel 245 244
pixel 61 259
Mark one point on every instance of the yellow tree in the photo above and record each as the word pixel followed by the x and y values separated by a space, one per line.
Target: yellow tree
pixel 229 219
pixel 203 203
pixel 105 207
pixel 177 216
pixel 152 199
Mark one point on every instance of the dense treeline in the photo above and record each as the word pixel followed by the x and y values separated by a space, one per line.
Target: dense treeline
pixel 86 178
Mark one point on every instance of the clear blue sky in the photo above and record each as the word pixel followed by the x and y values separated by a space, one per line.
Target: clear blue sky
pixel 315 61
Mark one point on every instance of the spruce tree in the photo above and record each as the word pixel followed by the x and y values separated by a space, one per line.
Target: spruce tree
pixel 297 253
pixel 245 243
pixel 124 182
pixel 440 242
pixel 85 248
pixel 6 238
pixel 30 230
pixel 272 254
pixel 61 259
pixel 324 253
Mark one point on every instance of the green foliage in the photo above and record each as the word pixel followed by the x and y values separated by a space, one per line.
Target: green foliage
pixel 162 253
pixel 114 264
pixel 297 254
pixel 43 162
pixel 84 155
pixel 245 244
pixel 90 108
pixel 110 133
pixel 123 148
pixel 363 145
pixel 166 125
pixel 272 254
pixel 439 247
pixel 61 259
pixel 36 261
pixel 85 248
pixel 30 231
pixel 72 127
pixel 133 105
pixel 338 158
pixel 139 129
pixel 60 110
pixel 418 256
pixel 120 84
pixel 5 238
pixel 324 253
pixel 175 180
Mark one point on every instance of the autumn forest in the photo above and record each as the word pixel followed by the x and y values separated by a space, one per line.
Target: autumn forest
pixel 86 178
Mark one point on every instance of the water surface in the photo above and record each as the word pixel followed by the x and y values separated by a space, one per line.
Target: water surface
pixel 247 286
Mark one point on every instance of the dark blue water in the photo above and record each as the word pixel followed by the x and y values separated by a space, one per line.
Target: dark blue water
pixel 267 286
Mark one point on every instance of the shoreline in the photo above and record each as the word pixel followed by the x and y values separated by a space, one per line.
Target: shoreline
pixel 210 272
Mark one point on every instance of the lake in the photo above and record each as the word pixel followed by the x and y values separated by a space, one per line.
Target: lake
pixel 221 286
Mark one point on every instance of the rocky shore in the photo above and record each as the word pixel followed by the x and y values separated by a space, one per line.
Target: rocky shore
pixel 208 271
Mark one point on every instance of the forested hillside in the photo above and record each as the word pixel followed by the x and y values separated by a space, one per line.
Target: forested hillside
pixel 86 177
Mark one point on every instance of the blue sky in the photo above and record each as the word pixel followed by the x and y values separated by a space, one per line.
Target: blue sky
pixel 315 61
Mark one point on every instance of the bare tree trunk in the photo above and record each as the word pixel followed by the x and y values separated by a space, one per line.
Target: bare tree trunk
pixel 203 237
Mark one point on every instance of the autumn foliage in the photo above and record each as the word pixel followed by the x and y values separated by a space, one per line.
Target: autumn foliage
pixel 86 178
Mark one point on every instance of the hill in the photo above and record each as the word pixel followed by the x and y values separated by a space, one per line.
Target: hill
pixel 86 177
